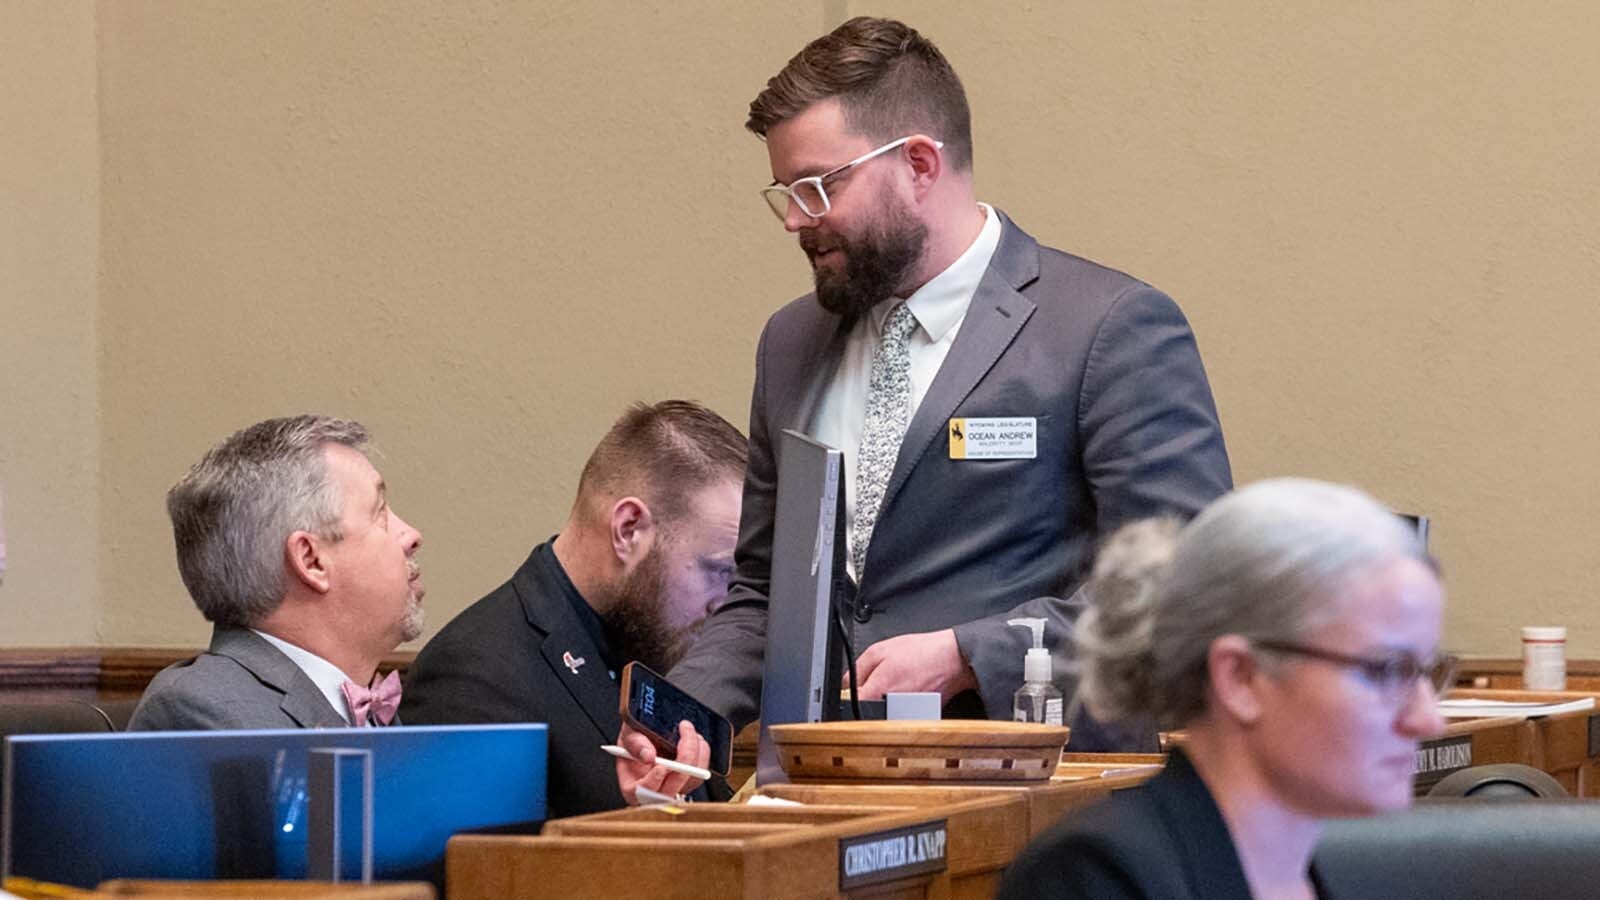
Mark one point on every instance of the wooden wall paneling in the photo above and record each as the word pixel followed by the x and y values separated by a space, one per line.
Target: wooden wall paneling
pixel 30 674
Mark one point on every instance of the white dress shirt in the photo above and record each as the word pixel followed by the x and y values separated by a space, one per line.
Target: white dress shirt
pixel 325 675
pixel 939 306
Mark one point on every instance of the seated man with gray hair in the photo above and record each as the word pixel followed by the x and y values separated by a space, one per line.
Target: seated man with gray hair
pixel 287 544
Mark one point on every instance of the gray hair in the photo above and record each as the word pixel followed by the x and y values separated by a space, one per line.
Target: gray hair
pixel 1261 562
pixel 233 511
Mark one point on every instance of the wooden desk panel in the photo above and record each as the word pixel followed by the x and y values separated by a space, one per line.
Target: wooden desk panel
pixel 701 853
pixel 29 674
pixel 1080 779
pixel 1498 739
pixel 1583 675
pixel 710 815
pixel 1560 745
pixel 262 890
pixel 584 868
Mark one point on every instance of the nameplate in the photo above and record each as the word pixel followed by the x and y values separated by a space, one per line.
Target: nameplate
pixel 888 855
pixel 1438 758
pixel 1010 438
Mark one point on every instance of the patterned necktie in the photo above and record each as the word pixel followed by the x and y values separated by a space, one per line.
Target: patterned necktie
pixel 377 703
pixel 888 410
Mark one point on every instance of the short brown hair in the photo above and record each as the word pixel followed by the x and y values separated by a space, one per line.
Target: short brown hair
pixel 664 453
pixel 890 81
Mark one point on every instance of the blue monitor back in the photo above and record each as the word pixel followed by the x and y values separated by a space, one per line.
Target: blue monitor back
pixel 232 804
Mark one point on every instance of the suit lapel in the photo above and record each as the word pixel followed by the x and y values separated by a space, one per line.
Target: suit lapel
pixel 800 406
pixel 591 686
pixel 997 313
pixel 309 708
pixel 302 701
pixel 566 640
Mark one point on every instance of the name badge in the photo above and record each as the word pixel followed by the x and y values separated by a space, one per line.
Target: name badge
pixel 1000 438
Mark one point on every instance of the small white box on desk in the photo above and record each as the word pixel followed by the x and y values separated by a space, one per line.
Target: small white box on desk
pixel 918 706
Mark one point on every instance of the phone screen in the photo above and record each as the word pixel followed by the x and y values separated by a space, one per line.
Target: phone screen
pixel 657 706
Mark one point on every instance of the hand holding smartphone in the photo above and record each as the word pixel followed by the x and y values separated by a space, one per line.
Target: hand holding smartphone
pixel 654 706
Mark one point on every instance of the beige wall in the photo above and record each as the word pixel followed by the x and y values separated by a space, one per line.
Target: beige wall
pixel 480 228
pixel 483 228
pixel 49 399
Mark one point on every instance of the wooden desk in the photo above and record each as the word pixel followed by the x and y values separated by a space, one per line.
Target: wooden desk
pixel 703 851
pixel 1465 742
pixel 1565 745
pixel 1472 742
pixel 1506 674
pixel 227 890
pixel 1080 779
pixel 263 890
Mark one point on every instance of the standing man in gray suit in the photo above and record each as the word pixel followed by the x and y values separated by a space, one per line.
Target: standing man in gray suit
pixel 287 544
pixel 1000 404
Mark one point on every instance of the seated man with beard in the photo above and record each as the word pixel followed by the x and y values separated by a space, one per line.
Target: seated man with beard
pixel 644 557
pixel 288 545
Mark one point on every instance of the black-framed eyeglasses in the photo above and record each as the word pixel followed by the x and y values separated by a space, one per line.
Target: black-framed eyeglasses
pixel 1394 675
pixel 810 194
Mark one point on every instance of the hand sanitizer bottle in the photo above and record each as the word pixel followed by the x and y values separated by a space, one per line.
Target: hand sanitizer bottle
pixel 1038 700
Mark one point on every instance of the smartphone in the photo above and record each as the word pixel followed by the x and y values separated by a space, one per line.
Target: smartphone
pixel 653 705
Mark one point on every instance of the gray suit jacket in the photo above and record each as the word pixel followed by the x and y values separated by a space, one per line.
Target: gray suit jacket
pixel 240 682
pixel 1127 429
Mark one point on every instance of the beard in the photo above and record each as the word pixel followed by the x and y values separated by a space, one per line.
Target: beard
pixel 876 263
pixel 635 623
pixel 416 616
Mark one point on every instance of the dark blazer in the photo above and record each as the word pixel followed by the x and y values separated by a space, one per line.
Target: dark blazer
pixel 501 660
pixel 240 682
pixel 1165 840
pixel 1126 429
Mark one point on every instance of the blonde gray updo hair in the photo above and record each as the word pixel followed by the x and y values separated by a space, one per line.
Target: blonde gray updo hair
pixel 1263 562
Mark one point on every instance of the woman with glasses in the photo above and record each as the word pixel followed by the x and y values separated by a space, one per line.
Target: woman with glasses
pixel 1292 631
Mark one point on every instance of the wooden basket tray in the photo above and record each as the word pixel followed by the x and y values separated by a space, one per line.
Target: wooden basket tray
pixel 953 750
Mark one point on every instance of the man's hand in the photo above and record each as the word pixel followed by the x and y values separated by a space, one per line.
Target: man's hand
pixel 631 775
pixel 928 661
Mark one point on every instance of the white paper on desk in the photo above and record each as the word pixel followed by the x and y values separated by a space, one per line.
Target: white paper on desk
pixel 1472 707
pixel 648 797
pixel 1129 770
pixel 764 800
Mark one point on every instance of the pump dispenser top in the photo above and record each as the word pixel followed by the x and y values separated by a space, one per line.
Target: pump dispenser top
pixel 1036 665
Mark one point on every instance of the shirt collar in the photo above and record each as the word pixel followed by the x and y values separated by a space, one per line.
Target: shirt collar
pixel 325 675
pixel 942 303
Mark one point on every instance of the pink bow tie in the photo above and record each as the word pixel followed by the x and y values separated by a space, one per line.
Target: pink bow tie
pixel 379 702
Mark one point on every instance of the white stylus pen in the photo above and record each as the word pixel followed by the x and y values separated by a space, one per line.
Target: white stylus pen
pixel 670 765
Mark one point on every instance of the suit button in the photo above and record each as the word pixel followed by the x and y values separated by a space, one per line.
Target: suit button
pixel 863 612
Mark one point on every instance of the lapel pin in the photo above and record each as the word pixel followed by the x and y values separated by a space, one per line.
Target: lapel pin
pixel 571 662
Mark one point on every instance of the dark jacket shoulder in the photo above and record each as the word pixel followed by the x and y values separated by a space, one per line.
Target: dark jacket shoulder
pixel 1165 839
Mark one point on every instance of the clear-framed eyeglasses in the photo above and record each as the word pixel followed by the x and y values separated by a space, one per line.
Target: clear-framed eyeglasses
pixel 810 193
pixel 1392 675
